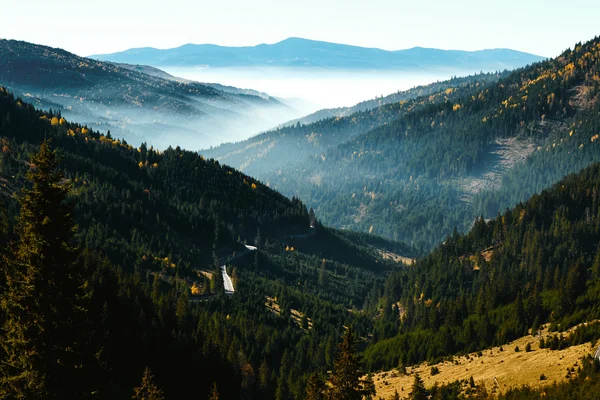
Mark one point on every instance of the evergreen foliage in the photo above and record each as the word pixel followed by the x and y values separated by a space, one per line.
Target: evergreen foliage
pixel 416 169
pixel 148 389
pixel 43 349
pixel 418 391
pixel 149 229
pixel 346 381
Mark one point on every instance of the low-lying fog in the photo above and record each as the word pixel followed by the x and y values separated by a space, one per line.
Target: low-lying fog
pixel 322 87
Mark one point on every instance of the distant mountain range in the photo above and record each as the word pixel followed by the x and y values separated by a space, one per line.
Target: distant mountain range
pixel 298 52
pixel 455 150
pixel 138 103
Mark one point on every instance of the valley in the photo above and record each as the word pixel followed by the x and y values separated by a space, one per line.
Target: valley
pixel 413 170
pixel 137 104
pixel 163 237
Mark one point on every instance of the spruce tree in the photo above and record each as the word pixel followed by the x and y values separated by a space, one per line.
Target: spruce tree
pixel 42 351
pixel 418 391
pixel 345 381
pixel 147 389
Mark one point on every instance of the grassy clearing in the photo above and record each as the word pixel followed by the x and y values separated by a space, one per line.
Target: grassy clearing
pixel 506 367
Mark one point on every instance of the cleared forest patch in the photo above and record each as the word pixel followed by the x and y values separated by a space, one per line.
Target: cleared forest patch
pixel 504 154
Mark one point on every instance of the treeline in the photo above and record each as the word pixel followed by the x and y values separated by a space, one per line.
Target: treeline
pixel 534 264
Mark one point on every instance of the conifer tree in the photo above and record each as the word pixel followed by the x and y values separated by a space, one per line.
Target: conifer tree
pixel 264 374
pixel 147 389
pixel 346 382
pixel 315 388
pixel 418 391
pixel 214 393
pixel 42 348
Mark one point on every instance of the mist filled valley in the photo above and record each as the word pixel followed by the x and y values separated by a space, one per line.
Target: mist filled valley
pixel 299 219
pixel 316 88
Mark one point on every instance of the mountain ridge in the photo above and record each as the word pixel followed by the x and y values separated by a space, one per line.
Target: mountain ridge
pixel 132 103
pixel 299 52
pixel 447 152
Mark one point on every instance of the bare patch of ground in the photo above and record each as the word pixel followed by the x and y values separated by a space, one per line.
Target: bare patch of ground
pixel 508 153
pixel 361 213
pixel 388 255
pixel 486 254
pixel 582 98
pixel 497 369
pixel 297 316
pixel 207 274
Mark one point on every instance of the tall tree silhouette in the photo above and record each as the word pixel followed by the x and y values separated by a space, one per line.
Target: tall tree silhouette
pixel 147 389
pixel 44 305
pixel 418 391
pixel 346 382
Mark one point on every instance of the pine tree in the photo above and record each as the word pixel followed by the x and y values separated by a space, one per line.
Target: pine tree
pixel 264 374
pixel 214 393
pixel 282 391
pixel 315 388
pixel 418 391
pixel 323 273
pixel 148 389
pixel 42 347
pixel 345 382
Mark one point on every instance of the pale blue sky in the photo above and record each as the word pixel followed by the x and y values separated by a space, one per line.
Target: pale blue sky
pixel 544 27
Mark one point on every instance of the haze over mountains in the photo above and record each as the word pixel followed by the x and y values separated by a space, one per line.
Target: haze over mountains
pixel 428 160
pixel 137 104
pixel 328 74
pixel 415 235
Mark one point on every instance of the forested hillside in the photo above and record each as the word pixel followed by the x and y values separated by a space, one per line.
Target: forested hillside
pixel 448 158
pixel 133 104
pixel 299 143
pixel 536 263
pixel 153 229
pixel 419 91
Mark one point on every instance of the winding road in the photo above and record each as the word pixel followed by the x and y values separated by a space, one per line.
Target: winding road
pixel 227 283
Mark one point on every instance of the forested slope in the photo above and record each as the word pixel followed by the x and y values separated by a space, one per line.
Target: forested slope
pixel 140 106
pixel 442 163
pixel 153 228
pixel 297 145
pixel 403 95
pixel 533 264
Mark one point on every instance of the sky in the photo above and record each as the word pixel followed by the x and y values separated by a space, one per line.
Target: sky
pixel 542 27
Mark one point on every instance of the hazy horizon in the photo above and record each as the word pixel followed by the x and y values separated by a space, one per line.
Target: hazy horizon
pixel 385 24
pixel 322 88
